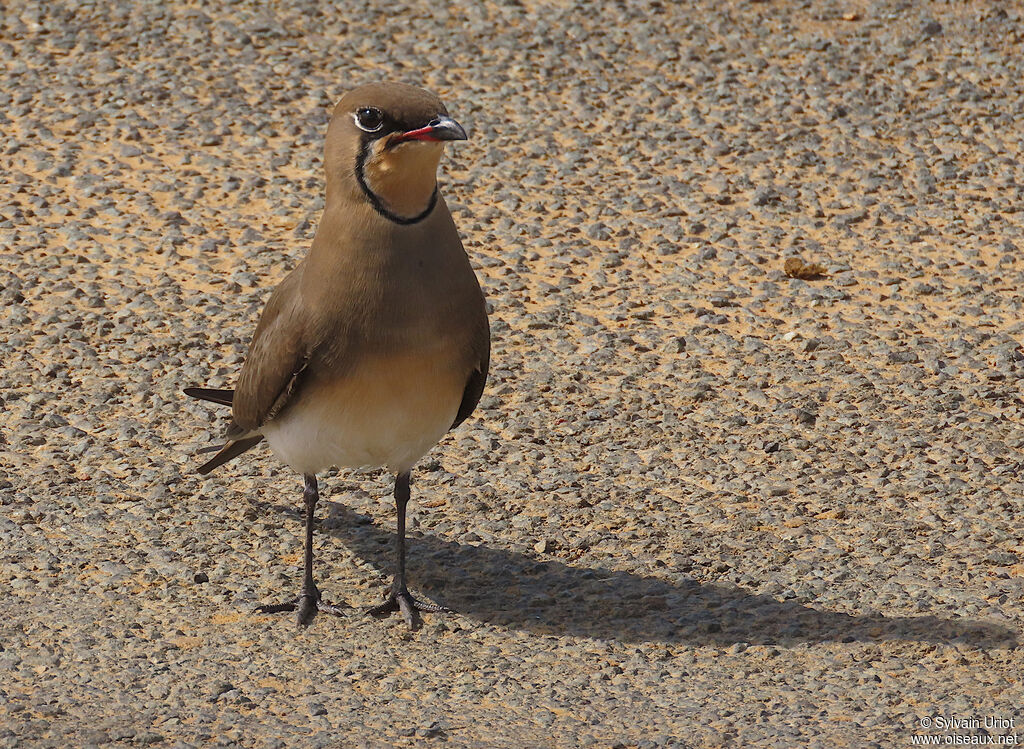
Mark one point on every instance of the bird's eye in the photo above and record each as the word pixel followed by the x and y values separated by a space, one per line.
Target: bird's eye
pixel 369 119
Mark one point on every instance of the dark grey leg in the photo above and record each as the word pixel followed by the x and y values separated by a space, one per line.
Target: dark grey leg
pixel 398 596
pixel 308 603
pixel 310 593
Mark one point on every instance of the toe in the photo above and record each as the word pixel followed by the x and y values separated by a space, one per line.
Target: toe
pixel 385 609
pixel 307 610
pixel 409 611
pixel 329 608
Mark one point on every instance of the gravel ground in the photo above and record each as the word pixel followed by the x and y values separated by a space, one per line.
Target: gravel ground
pixel 703 503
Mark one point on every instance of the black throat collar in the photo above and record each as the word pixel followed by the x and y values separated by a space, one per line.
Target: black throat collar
pixel 375 200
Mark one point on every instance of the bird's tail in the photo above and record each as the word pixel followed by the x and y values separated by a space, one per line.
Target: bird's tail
pixel 230 451
pixel 222 397
pixel 233 448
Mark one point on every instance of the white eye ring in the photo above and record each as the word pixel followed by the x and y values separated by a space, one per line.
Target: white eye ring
pixel 368 119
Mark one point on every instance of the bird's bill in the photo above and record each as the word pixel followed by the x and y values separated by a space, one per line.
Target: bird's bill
pixel 437 130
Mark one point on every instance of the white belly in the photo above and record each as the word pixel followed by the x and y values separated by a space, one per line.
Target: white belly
pixel 389 412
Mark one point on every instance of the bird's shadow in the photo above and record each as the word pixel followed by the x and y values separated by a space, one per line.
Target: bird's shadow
pixel 548 596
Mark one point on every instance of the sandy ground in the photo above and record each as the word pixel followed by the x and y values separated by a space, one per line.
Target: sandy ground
pixel 702 503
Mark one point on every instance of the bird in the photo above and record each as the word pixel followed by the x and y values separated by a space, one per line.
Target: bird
pixel 377 343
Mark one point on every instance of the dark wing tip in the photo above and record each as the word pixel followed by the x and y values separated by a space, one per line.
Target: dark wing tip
pixel 471 395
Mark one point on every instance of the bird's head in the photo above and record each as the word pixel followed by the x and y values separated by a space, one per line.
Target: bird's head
pixel 383 146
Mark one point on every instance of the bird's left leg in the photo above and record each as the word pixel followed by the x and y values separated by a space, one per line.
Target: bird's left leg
pixel 398 596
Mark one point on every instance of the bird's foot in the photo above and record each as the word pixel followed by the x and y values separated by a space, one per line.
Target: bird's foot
pixel 402 600
pixel 308 605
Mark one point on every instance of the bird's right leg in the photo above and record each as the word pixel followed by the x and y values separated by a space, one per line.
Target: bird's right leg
pixel 309 602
